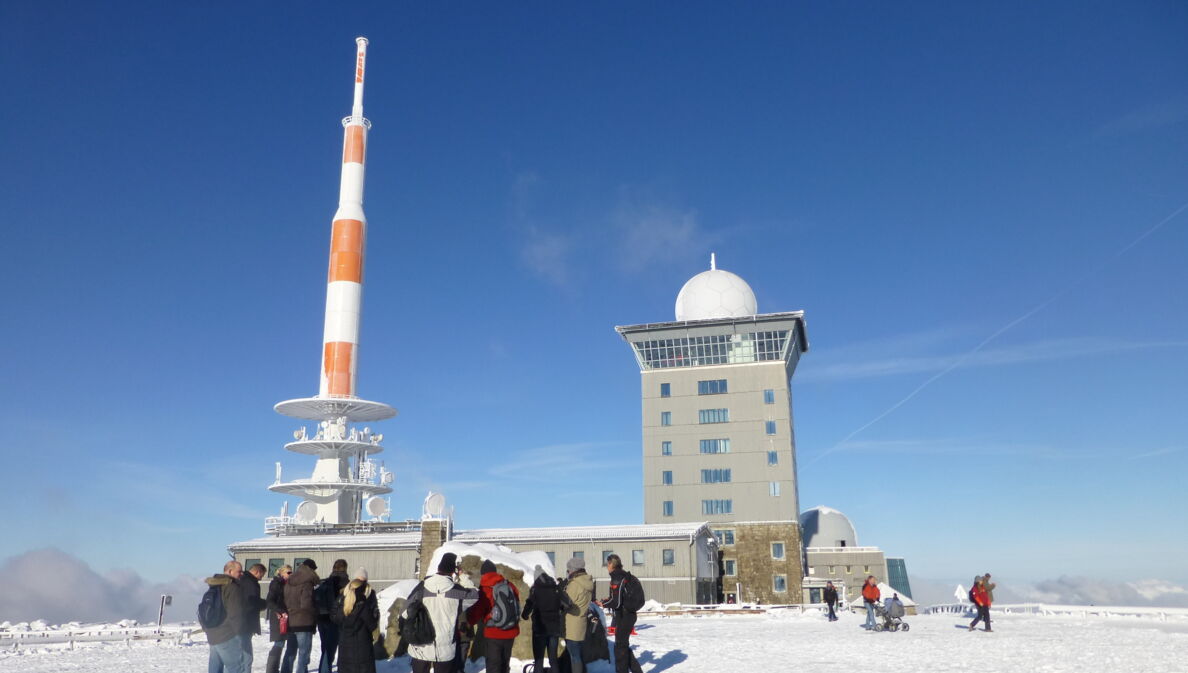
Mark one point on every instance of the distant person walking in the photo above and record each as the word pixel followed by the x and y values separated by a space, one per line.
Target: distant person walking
pixel 443 599
pixel 831 600
pixel 498 611
pixel 249 583
pixel 275 603
pixel 622 586
pixel 543 607
pixel 325 597
pixel 870 597
pixel 226 637
pixel 356 614
pixel 579 589
pixel 989 586
pixel 981 600
pixel 303 616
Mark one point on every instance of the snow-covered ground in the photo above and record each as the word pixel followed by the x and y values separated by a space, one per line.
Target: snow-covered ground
pixel 778 641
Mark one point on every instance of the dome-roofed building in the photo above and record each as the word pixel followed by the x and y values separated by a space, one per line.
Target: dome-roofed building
pixel 824 526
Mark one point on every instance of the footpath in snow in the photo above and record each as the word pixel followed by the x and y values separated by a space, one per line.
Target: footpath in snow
pixel 777 641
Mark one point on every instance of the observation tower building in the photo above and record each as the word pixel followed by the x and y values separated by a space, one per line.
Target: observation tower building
pixel 343 475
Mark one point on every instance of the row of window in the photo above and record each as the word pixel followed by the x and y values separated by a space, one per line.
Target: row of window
pixel 717 475
pixel 717 349
pixel 709 416
pixel 717 446
pixel 707 507
pixel 715 387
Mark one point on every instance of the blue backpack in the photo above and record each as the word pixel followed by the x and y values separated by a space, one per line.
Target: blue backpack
pixel 211 611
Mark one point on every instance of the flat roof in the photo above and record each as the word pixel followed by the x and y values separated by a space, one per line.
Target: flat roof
pixel 410 540
pixel 658 531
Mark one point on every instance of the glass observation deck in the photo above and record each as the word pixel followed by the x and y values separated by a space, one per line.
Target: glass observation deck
pixel 767 337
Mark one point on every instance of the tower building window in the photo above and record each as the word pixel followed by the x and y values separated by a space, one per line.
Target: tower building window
pixel 715 476
pixel 665 390
pixel 713 416
pixel 773 489
pixel 717 506
pixel 730 567
pixel 779 583
pixel 665 418
pixel 725 537
pixel 666 448
pixel 771 427
pixel 769 396
pixel 773 457
pixel 667 507
pixel 715 446
pixel 715 387
pixel 666 477
pixel 777 550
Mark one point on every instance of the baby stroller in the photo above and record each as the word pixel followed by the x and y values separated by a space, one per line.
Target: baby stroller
pixel 890 617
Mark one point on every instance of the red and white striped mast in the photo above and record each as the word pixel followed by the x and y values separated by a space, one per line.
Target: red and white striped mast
pixel 334 494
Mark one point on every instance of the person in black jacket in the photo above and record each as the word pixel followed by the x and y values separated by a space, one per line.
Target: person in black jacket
pixel 544 608
pixel 275 602
pixel 356 613
pixel 831 600
pixel 624 619
pixel 324 597
pixel 249 584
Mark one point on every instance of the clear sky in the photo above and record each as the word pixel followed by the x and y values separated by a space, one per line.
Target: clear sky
pixel 915 176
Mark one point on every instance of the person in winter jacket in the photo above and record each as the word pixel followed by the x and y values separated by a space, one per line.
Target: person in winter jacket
pixel 624 619
pixel 303 616
pixel 870 598
pixel 444 599
pixel 499 640
pixel 328 590
pixel 543 607
pixel 465 628
pixel 356 614
pixel 989 586
pixel 579 587
pixel 981 599
pixel 831 600
pixel 249 584
pixel 275 602
pixel 225 638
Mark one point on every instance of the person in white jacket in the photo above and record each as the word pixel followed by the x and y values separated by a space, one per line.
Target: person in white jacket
pixel 445 599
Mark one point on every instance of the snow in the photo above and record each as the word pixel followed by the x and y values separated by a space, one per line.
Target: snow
pixel 783 639
pixel 526 562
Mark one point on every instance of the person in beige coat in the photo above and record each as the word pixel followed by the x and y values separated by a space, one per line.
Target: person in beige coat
pixel 579 587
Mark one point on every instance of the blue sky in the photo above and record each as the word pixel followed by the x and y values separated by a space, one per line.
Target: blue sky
pixel 914 176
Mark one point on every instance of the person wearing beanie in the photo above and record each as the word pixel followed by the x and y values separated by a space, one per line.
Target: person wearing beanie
pixel 543 607
pixel 499 640
pixel 303 615
pixel 356 616
pixel 444 599
pixel 579 587
pixel 325 596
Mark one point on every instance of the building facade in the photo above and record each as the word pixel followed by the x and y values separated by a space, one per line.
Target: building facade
pixel 718 433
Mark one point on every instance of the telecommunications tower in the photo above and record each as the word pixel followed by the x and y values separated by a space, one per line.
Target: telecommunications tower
pixel 343 475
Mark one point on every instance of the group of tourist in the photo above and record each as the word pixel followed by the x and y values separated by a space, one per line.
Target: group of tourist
pixel 344 612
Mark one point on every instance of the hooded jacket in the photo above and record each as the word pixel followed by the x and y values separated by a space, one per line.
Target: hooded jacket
pixel 252 603
pixel 232 624
pixel 303 615
pixel 544 607
pixel 580 589
pixel 445 600
pixel 486 604
pixel 830 595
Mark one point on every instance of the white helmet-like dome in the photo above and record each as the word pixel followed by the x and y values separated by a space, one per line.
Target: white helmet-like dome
pixel 715 294
pixel 826 527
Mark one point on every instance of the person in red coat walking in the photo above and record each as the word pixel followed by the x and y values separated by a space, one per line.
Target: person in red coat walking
pixel 498 609
pixel 981 600
pixel 870 597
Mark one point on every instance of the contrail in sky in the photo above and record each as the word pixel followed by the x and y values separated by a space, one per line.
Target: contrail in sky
pixel 999 332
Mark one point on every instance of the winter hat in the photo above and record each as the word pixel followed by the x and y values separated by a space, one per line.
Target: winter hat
pixel 575 564
pixel 488 567
pixel 448 563
pixel 361 574
pixel 309 563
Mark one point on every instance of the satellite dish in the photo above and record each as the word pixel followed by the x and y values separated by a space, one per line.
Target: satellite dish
pixel 377 506
pixel 306 512
pixel 434 505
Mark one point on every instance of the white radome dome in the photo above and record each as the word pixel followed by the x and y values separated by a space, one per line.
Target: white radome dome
pixel 826 527
pixel 715 294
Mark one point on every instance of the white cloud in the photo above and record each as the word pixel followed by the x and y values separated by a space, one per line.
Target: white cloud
pixel 57 587
pixel 650 233
pixel 827 368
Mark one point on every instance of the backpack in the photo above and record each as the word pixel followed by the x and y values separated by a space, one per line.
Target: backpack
pixel 211 611
pixel 631 594
pixel 323 596
pixel 417 627
pixel 971 596
pixel 505 608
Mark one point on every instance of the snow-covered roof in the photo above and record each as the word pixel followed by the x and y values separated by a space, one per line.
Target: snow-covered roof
pixel 410 540
pixel 658 531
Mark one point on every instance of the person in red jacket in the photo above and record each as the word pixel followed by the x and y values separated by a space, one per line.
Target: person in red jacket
pixel 981 599
pixel 496 610
pixel 870 596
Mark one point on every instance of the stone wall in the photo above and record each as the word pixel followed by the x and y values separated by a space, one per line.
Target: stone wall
pixel 433 535
pixel 756 568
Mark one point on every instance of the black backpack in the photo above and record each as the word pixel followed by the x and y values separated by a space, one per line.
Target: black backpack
pixel 631 593
pixel 417 627
pixel 505 608
pixel 211 611
pixel 971 596
pixel 323 595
